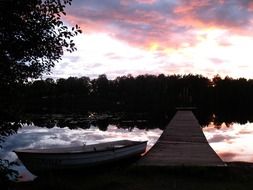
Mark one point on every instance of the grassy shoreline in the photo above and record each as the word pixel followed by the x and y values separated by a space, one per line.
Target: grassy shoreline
pixel 236 176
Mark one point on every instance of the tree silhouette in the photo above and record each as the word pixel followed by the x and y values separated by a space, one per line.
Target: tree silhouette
pixel 157 96
pixel 32 38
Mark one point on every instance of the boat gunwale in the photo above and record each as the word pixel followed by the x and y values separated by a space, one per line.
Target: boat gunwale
pixel 26 152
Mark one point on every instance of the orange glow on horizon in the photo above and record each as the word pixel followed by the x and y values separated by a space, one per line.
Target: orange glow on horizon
pixel 209 50
pixel 153 46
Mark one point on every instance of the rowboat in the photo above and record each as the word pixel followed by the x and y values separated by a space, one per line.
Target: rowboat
pixel 43 160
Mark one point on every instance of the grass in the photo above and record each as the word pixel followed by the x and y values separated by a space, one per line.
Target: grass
pixel 153 178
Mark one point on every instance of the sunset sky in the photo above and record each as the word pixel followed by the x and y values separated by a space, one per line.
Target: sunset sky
pixel 135 37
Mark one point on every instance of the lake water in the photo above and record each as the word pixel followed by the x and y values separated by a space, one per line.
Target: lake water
pixel 231 143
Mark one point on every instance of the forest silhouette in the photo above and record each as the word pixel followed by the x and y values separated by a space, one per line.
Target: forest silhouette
pixel 227 99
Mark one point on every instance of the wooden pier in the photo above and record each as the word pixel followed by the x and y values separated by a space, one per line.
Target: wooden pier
pixel 182 143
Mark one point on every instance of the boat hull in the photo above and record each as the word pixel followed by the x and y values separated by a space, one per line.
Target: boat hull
pixel 37 162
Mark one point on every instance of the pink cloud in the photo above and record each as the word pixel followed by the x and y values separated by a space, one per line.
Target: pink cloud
pixel 227 156
pixel 232 15
pixel 129 2
pixel 217 61
pixel 177 33
pixel 140 23
pixel 189 6
pixel 146 1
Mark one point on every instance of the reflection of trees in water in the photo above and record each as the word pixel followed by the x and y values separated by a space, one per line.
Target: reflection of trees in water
pixel 126 121
pixel 100 120
pixel 102 124
pixel 141 121
pixel 235 116
pixel 226 117
pixel 7 129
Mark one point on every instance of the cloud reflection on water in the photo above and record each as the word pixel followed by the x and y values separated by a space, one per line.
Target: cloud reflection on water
pixel 30 136
pixel 231 143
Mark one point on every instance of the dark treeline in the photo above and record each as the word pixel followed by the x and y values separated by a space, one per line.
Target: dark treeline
pixel 156 95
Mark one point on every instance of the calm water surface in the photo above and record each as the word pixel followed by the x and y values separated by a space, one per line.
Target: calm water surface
pixel 31 136
pixel 231 142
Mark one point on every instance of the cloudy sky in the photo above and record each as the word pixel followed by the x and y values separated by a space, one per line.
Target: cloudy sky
pixel 123 37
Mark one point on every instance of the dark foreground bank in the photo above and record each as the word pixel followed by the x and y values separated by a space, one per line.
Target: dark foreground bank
pixel 233 177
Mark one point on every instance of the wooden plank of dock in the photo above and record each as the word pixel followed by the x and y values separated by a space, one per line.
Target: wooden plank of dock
pixel 182 143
